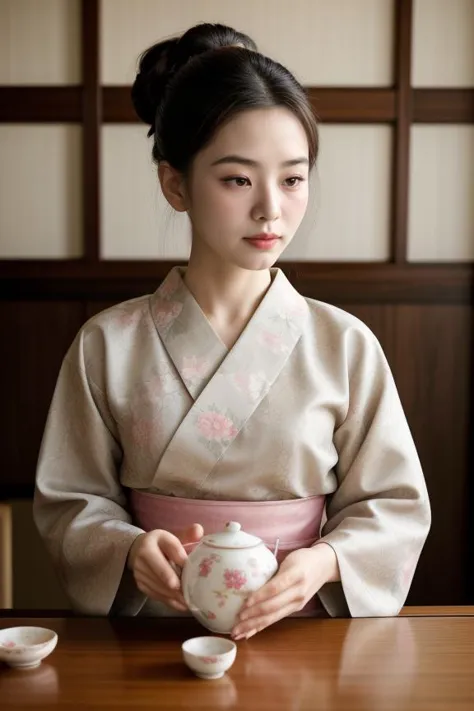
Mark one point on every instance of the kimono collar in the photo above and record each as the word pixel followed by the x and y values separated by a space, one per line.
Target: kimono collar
pixel 195 348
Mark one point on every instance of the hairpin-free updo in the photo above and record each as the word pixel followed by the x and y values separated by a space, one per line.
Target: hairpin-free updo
pixel 187 87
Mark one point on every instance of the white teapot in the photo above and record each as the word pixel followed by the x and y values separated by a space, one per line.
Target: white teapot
pixel 220 574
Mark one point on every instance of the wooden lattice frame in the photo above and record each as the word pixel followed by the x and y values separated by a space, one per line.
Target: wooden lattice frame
pixel 91 105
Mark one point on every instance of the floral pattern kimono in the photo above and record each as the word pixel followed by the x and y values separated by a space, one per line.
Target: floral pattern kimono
pixel 150 400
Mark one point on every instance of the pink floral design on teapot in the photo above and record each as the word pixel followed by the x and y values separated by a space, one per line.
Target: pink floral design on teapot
pixel 216 584
pixel 234 579
pixel 205 566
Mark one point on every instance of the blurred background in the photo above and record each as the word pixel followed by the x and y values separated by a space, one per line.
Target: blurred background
pixel 389 235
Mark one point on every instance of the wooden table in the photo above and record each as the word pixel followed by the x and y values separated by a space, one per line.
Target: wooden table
pixel 422 660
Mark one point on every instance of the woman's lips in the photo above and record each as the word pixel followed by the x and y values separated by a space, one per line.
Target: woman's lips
pixel 263 241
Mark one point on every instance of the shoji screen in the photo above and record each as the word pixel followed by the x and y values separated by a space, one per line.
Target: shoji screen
pixel 41 165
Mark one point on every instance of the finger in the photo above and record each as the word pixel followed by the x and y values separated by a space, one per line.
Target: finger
pixel 168 601
pixel 258 615
pixel 251 627
pixel 182 607
pixel 172 548
pixel 157 589
pixel 274 587
pixel 153 563
pixel 192 534
pixel 292 596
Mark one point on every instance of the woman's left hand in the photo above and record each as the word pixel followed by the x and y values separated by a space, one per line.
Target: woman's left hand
pixel 300 576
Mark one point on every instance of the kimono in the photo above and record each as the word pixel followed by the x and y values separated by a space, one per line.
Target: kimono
pixel 149 399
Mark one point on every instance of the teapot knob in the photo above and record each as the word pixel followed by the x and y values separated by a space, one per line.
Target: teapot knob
pixel 233 527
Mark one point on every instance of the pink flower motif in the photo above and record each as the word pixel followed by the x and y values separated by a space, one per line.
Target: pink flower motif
pixel 234 579
pixel 252 384
pixel 204 569
pixel 298 310
pixel 210 615
pixel 170 285
pixel 221 597
pixel 216 426
pixel 205 565
pixel 274 342
pixel 292 311
pixel 166 312
pixel 241 380
pixel 209 660
pixel 155 386
pixel 9 644
pixel 194 369
pixel 127 317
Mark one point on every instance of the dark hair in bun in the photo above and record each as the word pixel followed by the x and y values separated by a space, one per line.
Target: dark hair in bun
pixel 187 87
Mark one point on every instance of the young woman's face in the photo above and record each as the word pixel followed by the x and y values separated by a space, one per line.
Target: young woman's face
pixel 248 188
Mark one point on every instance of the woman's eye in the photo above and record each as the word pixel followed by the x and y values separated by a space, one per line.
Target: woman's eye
pixel 240 182
pixel 294 181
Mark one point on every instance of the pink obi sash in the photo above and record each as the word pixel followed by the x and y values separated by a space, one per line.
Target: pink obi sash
pixel 284 526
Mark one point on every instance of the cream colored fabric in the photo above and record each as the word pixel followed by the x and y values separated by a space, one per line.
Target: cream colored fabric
pixel 304 404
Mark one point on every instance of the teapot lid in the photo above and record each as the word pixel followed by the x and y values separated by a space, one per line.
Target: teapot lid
pixel 232 537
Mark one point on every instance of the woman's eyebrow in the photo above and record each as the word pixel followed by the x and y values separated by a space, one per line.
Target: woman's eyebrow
pixel 255 164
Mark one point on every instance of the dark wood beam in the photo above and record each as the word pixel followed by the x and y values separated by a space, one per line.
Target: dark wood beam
pixel 41 104
pixel 337 282
pixel 92 119
pixel 401 148
pixel 443 106
pixel 64 104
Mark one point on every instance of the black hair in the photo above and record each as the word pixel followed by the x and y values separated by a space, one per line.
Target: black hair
pixel 187 87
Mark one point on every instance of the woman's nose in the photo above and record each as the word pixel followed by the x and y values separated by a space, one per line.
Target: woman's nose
pixel 267 207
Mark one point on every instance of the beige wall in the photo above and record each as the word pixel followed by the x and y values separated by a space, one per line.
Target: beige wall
pixel 337 43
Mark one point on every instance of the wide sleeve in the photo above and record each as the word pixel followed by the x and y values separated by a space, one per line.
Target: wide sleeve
pixel 379 516
pixel 79 505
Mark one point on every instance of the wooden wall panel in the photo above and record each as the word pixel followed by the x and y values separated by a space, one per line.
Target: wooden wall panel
pixel 429 348
pixel 34 338
pixel 95 307
pixel 433 367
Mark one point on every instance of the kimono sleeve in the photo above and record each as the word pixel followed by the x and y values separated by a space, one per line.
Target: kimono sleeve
pixel 379 516
pixel 79 505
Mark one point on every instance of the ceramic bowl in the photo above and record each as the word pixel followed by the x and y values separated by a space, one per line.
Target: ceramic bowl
pixel 209 657
pixel 26 647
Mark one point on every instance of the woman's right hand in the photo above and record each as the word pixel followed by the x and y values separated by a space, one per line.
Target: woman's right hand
pixel 150 559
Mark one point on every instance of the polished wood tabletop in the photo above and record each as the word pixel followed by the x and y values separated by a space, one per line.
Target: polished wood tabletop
pixel 420 661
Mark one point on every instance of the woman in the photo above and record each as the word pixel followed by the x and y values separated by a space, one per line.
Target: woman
pixel 226 394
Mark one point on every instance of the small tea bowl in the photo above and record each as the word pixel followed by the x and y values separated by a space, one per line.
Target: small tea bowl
pixel 209 657
pixel 25 647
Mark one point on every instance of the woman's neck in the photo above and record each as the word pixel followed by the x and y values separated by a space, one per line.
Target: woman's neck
pixel 227 294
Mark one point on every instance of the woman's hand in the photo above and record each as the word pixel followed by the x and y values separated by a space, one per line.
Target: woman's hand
pixel 300 576
pixel 150 559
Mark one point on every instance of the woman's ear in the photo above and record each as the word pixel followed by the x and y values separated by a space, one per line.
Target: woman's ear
pixel 173 186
